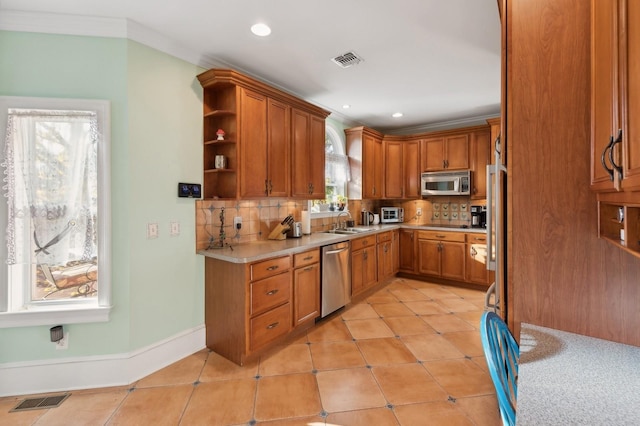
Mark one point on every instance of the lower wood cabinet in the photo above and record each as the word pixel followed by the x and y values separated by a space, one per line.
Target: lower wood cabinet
pixel 306 287
pixel 385 255
pixel 247 306
pixel 441 254
pixel 364 272
pixel 476 263
pixel 407 248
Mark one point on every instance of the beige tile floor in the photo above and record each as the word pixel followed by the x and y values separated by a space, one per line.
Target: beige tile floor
pixel 408 355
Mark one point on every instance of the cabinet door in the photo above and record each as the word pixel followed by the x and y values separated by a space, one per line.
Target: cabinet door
pixel 316 159
pixel 457 152
pixel 631 96
pixel 253 145
pixel 393 177
pixel 395 250
pixel 278 149
pixel 604 87
pixel 407 251
pixel 476 264
pixel 411 169
pixel 452 260
pixel 432 154
pixel 372 167
pixel 385 260
pixel 357 271
pixel 480 147
pixel 300 184
pixel 306 293
pixel 370 267
pixel 429 257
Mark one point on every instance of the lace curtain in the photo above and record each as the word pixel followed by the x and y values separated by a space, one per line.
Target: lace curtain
pixel 51 186
pixel 337 165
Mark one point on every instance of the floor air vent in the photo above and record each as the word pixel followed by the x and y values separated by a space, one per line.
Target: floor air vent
pixel 347 60
pixel 40 403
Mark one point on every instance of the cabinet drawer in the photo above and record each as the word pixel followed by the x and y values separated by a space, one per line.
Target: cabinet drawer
pixel 270 292
pixel 476 238
pixel 384 236
pixel 306 258
pixel 270 325
pixel 441 236
pixel 362 242
pixel 270 267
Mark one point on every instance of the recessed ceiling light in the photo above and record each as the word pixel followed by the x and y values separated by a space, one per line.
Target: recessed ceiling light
pixel 397 115
pixel 346 106
pixel 261 30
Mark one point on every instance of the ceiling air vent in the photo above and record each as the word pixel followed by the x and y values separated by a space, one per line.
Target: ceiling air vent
pixel 347 60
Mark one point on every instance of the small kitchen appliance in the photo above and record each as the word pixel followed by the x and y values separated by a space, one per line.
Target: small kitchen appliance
pixel 391 215
pixel 445 183
pixel 366 218
pixel 295 230
pixel 478 216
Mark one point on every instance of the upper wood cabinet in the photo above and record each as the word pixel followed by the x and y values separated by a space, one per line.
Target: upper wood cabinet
pixel 401 168
pixel 480 149
pixel 308 133
pixel 615 95
pixel 364 148
pixel 446 152
pixel 264 147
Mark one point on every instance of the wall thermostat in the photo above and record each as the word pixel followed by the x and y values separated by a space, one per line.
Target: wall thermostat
pixel 189 190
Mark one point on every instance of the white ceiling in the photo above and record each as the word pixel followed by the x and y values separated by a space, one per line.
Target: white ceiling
pixel 436 61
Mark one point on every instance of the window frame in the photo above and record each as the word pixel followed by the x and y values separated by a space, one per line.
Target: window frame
pixel 99 309
pixel 339 145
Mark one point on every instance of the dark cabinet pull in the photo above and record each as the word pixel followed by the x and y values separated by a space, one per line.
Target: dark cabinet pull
pixel 272 268
pixel 602 158
pixel 272 292
pixel 273 325
pixel 308 258
pixel 440 236
pixel 613 163
pixel 266 187
pixel 308 268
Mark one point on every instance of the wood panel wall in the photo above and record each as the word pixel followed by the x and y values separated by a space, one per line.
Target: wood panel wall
pixel 560 274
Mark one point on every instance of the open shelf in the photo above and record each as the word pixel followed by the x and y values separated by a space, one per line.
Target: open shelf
pixel 619 224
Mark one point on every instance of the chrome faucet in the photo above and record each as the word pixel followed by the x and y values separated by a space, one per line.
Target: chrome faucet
pixel 341 225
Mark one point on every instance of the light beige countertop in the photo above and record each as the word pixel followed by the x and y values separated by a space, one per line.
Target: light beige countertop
pixel 265 249
pixel 569 379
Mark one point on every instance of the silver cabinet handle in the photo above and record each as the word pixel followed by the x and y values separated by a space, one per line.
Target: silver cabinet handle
pixel 272 268
pixel 273 325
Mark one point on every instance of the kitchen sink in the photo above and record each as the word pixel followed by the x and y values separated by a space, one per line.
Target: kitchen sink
pixel 349 231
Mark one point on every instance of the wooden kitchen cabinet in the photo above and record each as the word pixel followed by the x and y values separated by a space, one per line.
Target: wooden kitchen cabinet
pixel 401 168
pixel 441 254
pixel 445 152
pixel 395 250
pixel 247 306
pixel 615 95
pixel 385 255
pixel 476 263
pixel 308 144
pixel 407 248
pixel 259 140
pixel 306 287
pixel 619 220
pixel 365 152
pixel 480 157
pixel 363 264
pixel 267 144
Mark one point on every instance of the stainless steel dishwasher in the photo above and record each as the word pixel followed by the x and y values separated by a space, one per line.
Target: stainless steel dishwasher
pixel 336 277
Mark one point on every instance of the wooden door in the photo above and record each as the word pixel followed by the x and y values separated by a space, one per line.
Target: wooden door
pixel 306 293
pixel 411 169
pixel 300 185
pixel 395 250
pixel 604 87
pixel 476 265
pixel 630 88
pixel 429 257
pixel 385 260
pixel 278 149
pixel 372 167
pixel 452 260
pixel 253 145
pixel 393 172
pixel 432 154
pixel 316 158
pixel 370 267
pixel 480 147
pixel 407 250
pixel 457 152
pixel 357 271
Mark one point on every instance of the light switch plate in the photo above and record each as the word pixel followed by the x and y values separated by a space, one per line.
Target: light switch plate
pixel 152 230
pixel 174 229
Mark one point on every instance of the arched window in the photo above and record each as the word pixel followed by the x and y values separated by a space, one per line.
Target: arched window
pixel 336 173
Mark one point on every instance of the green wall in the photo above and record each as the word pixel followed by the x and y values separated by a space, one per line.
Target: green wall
pixel 156 110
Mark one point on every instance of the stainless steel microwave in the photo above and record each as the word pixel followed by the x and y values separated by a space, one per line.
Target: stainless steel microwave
pixel 446 183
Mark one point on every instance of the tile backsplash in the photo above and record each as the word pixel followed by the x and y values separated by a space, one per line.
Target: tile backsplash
pixel 214 218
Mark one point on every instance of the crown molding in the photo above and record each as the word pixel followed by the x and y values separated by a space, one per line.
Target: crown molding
pixel 446 125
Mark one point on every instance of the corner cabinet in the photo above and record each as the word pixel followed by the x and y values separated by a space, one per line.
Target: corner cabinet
pixel 262 145
pixel 480 157
pixel 401 168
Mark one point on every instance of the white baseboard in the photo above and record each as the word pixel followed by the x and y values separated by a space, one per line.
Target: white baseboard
pixel 67 374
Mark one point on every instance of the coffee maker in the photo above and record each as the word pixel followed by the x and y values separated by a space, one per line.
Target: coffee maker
pixel 478 216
